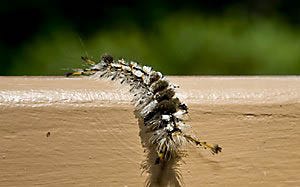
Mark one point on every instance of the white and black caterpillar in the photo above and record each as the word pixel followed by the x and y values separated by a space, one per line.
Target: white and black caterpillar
pixel 156 104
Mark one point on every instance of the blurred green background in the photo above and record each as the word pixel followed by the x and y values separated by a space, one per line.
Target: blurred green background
pixel 211 37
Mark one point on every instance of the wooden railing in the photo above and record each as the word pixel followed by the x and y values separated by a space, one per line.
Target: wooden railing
pixel 58 131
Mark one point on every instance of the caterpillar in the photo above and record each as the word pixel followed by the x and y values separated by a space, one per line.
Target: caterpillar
pixel 161 113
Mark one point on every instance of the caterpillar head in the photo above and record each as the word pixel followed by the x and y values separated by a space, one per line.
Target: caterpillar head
pixel 107 59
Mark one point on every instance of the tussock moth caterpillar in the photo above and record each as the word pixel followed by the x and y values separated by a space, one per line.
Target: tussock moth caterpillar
pixel 158 109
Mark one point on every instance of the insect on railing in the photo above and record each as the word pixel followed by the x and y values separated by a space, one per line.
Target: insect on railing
pixel 156 106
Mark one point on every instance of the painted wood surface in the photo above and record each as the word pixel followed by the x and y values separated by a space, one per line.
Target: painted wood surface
pixel 58 131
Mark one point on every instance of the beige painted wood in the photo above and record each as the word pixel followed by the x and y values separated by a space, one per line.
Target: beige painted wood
pixel 56 131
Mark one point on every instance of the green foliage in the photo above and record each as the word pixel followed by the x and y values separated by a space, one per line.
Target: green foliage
pixel 181 44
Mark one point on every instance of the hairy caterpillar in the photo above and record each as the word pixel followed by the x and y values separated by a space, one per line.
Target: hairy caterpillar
pixel 156 105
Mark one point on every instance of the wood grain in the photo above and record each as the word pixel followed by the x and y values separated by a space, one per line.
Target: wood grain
pixel 81 132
